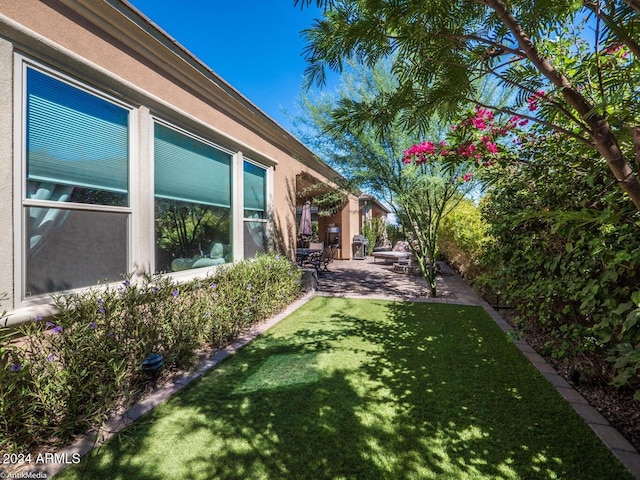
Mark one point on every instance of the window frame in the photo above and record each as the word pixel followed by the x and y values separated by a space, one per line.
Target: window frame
pixel 266 190
pixel 267 201
pixel 21 65
pixel 188 273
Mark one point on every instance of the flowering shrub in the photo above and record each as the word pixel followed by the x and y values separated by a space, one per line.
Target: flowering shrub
pixel 70 372
pixel 442 169
pixel 564 254
pixel 476 137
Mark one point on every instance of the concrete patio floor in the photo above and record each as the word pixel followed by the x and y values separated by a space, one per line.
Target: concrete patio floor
pixel 375 279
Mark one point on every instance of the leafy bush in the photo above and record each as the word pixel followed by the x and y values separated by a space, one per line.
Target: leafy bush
pixel 394 233
pixel 462 237
pixel 564 253
pixel 68 373
pixel 373 229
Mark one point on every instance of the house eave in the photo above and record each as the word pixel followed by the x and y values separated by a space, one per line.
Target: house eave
pixel 121 20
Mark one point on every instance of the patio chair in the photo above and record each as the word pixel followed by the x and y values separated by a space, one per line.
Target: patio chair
pixel 322 260
pixel 327 257
pixel 316 245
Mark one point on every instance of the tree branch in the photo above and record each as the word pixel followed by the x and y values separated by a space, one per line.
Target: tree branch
pixel 636 144
pixel 601 133
pixel 485 41
pixel 557 105
pixel 631 44
pixel 550 125
pixel 597 47
pixel 635 4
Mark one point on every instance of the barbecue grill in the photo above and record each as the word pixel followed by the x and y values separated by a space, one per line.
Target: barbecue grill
pixel 359 246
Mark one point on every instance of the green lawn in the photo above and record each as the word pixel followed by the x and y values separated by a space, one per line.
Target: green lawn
pixel 361 389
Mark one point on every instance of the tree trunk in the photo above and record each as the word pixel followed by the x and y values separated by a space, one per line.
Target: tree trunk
pixel 636 144
pixel 600 131
pixel 635 4
pixel 607 145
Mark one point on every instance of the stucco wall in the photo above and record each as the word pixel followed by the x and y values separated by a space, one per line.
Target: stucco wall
pixel 112 48
pixel 6 174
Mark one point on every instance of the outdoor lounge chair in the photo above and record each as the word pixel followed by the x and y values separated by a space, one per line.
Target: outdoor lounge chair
pixel 401 251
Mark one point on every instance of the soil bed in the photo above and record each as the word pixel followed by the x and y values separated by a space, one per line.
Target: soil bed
pixel 615 404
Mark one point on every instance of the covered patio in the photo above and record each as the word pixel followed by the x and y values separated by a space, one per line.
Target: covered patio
pixel 334 214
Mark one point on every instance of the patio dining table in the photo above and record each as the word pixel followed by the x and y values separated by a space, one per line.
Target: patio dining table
pixel 303 254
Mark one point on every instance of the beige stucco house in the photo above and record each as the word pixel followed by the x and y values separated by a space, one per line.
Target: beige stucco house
pixel 370 207
pixel 120 152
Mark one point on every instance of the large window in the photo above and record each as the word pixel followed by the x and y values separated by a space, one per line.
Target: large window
pixel 255 214
pixel 76 194
pixel 192 201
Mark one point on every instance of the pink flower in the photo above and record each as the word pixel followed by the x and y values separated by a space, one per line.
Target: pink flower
pixel 491 147
pixel 534 100
pixel 427 148
pixel 467 177
pixel 482 117
pixel 419 152
pixel 615 49
pixel 466 150
pixel 479 123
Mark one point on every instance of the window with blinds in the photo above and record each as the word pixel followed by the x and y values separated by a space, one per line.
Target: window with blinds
pixel 192 183
pixel 76 139
pixel 255 217
pixel 76 203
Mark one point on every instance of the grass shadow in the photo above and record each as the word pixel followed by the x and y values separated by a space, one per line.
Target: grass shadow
pixel 364 389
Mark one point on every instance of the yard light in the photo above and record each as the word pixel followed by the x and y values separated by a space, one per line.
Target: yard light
pixel 152 366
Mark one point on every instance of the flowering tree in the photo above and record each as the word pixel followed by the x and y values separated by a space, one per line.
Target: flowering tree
pixel 573 64
pixel 432 189
pixel 475 138
pixel 442 166
pixel 419 192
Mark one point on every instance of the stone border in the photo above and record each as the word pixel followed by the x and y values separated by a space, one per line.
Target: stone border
pixel 613 440
pixel 465 295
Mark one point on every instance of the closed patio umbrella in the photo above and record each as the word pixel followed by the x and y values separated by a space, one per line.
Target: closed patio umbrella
pixel 305 220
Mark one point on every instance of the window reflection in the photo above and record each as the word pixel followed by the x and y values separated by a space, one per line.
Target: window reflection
pixel 190 235
pixel 73 248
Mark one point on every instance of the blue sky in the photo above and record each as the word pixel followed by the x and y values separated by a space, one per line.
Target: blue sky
pixel 254 45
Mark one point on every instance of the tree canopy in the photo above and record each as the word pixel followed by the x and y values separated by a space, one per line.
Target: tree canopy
pixel 419 193
pixel 572 63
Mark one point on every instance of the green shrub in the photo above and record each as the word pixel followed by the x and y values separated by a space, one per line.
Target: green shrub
pixel 564 254
pixel 462 237
pixel 373 229
pixel 68 373
pixel 394 233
